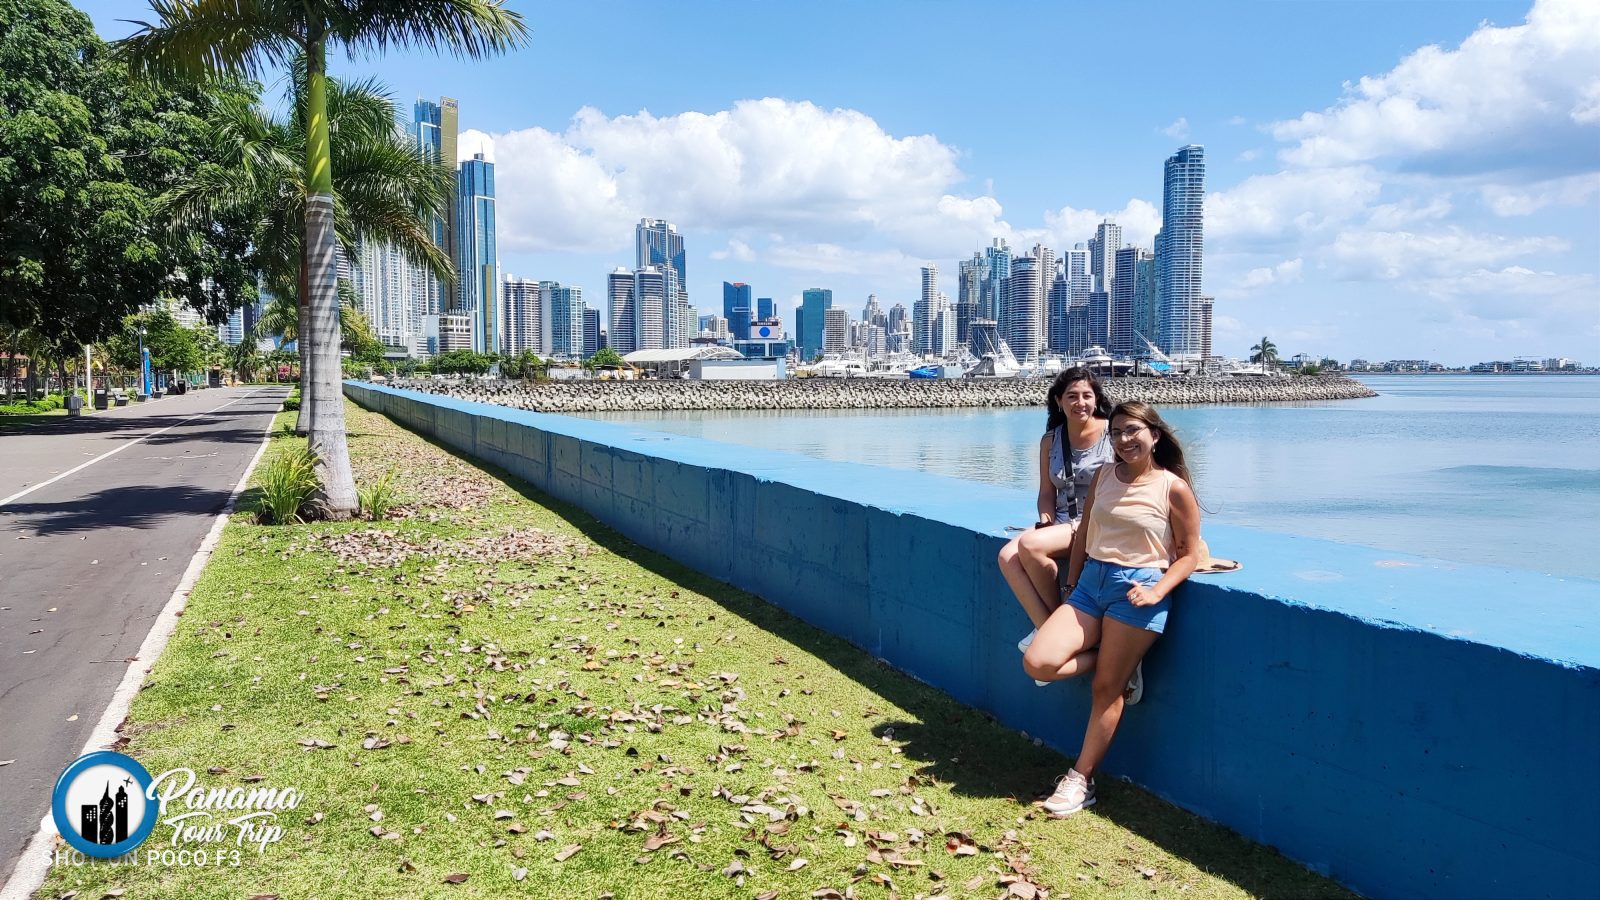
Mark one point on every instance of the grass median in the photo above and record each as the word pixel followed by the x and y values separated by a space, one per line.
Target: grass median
pixel 495 695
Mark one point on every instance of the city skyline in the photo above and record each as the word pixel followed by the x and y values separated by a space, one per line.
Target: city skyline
pixel 1424 185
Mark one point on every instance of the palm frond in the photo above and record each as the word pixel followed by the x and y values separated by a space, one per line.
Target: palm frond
pixel 215 38
pixel 469 28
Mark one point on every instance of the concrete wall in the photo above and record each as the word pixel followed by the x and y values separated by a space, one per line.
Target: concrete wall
pixel 1407 726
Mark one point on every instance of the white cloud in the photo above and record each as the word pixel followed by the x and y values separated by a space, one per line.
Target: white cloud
pixel 473 141
pixel 1525 200
pixel 1285 206
pixel 1522 98
pixel 1178 130
pixel 1286 272
pixel 736 249
pixel 1388 256
pixel 830 259
pixel 1248 155
pixel 1140 220
pixel 1409 211
pixel 1237 120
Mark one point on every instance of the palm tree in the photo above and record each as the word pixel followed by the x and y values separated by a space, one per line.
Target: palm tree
pixel 211 38
pixel 1265 352
pixel 381 182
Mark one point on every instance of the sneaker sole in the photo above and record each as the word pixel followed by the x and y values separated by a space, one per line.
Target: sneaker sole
pixel 1055 815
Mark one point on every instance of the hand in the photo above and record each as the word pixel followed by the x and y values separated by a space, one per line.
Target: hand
pixel 1044 523
pixel 1139 595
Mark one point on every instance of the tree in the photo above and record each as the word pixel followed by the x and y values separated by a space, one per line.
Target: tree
pixel 1265 352
pixel 196 38
pixel 605 357
pixel 244 360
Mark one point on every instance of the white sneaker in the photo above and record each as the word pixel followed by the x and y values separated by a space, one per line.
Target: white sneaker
pixel 1073 792
pixel 1027 641
pixel 1135 691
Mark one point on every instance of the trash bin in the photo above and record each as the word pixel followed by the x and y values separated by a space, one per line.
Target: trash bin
pixel 102 398
pixel 122 399
pixel 156 394
pixel 74 404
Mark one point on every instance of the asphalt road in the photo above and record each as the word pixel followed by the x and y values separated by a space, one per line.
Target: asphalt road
pixel 88 560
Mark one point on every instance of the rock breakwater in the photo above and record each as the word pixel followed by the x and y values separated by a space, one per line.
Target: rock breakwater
pixel 870 393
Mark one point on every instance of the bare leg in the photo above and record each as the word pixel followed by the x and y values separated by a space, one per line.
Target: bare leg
pixel 1021 584
pixel 1064 647
pixel 1037 551
pixel 1121 648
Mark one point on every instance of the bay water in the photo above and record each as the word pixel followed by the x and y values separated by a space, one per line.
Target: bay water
pixel 1494 470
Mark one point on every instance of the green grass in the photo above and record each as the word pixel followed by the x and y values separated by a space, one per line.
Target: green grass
pixel 676 693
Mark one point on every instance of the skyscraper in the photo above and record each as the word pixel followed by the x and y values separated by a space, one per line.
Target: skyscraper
pixel 736 309
pixel 477 253
pixel 622 334
pixel 1126 308
pixel 1146 302
pixel 560 320
pixel 591 332
pixel 433 127
pixel 1024 319
pixel 386 288
pixel 1103 249
pixel 766 310
pixel 815 302
pixel 520 324
pixel 653 309
pixel 1182 243
pixel 1058 303
pixel 835 329
pixel 996 275
pixel 969 293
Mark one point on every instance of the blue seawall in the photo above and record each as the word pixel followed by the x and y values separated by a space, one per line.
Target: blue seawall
pixel 1382 718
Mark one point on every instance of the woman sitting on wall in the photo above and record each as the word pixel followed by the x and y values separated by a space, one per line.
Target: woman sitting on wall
pixel 1140 539
pixel 1073 448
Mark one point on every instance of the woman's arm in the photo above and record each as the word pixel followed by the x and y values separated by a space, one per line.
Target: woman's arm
pixel 1047 488
pixel 1185 519
pixel 1080 547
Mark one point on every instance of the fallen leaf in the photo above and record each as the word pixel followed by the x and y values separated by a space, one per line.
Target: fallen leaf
pixel 568 852
pixel 456 878
pixel 798 864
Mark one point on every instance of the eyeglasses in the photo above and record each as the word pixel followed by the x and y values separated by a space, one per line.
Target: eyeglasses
pixel 1128 434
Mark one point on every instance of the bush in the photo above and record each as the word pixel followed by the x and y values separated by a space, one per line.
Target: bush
pixel 291 403
pixel 379 497
pixel 287 485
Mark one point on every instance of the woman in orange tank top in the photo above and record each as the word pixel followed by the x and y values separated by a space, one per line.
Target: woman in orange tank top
pixel 1140 539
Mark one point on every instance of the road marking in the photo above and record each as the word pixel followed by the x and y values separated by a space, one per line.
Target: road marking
pixel 114 451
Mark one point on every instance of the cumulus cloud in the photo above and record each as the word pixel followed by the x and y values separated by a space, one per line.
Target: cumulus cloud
pixel 1391 255
pixel 1140 220
pixel 1525 200
pixel 1286 206
pixel 1520 98
pixel 1178 130
pixel 1286 272
pixel 771 164
pixel 736 249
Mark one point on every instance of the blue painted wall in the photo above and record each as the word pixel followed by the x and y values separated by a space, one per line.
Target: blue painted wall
pixel 1384 719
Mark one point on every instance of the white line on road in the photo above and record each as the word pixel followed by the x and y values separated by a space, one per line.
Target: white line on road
pixel 113 452
pixel 34 864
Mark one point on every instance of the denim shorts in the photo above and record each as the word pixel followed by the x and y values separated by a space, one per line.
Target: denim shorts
pixel 1103 591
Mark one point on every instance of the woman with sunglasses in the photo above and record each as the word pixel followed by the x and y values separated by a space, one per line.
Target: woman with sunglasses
pixel 1139 540
pixel 1073 448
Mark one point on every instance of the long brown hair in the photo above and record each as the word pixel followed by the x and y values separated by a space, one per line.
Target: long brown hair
pixel 1052 401
pixel 1167 452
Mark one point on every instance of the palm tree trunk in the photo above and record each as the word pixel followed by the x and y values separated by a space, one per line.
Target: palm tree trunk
pixel 302 342
pixel 337 486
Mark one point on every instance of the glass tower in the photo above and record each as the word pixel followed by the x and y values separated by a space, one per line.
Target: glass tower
pixel 476 253
pixel 736 309
pixel 814 302
pixel 1181 246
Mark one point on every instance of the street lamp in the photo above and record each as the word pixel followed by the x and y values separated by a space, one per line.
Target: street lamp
pixel 144 367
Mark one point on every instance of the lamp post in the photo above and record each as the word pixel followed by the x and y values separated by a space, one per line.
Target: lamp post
pixel 144 367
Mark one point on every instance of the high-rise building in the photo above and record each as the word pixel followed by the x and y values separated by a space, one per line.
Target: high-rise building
pixel 477 254
pixel 835 329
pixel 969 293
pixel 872 313
pixel 1077 327
pixel 560 320
pixel 232 331
pixel 996 276
pixel 1130 304
pixel 766 310
pixel 815 302
pixel 434 128
pixel 622 335
pixel 1103 249
pixel 520 325
pixel 1182 244
pixel 944 328
pixel 1058 303
pixel 1024 313
pixel 1206 304
pixel 653 309
pixel 736 309
pixel 386 287
pixel 1146 303
pixel 591 332
pixel 1099 320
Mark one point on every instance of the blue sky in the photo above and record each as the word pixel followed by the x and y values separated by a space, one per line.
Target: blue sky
pixel 1412 179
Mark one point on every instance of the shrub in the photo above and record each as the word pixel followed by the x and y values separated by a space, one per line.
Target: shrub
pixel 379 497
pixel 287 485
pixel 291 403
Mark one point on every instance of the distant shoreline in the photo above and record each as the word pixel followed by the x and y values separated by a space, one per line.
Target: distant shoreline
pixel 872 393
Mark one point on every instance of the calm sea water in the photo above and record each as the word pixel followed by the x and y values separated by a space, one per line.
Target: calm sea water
pixel 1497 470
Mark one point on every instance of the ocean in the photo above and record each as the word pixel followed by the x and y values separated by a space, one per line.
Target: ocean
pixel 1495 470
